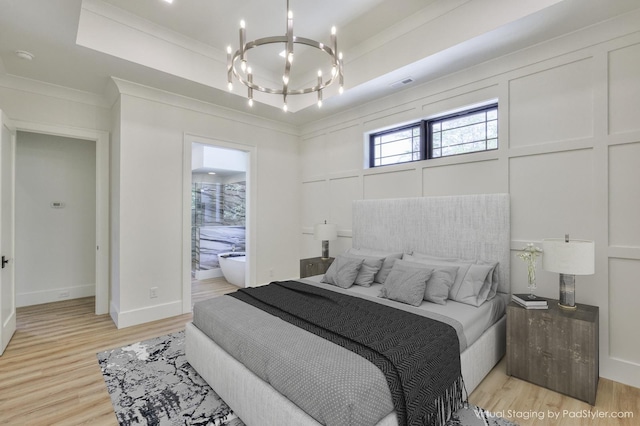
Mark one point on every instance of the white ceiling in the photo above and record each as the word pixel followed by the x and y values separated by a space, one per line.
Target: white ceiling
pixel 74 48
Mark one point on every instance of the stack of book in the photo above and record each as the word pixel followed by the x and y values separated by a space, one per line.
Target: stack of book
pixel 526 301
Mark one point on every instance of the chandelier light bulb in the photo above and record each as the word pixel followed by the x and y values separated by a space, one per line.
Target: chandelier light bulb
pixel 340 90
pixel 319 73
pixel 248 70
pixel 285 108
pixel 242 24
pixel 250 102
pixel 320 103
pixel 230 87
pixel 243 66
pixel 334 71
pixel 229 50
pixel 285 79
pixel 290 14
pixel 333 30
pixel 340 56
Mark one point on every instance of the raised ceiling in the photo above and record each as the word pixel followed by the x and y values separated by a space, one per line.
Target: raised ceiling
pixel 180 47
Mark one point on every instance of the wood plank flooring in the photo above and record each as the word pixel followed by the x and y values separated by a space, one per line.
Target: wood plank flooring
pixel 49 374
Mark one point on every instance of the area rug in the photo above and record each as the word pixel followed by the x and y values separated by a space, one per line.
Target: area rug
pixel 151 383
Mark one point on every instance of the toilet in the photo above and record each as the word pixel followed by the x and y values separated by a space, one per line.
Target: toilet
pixel 232 265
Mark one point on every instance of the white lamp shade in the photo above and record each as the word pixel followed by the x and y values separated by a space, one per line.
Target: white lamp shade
pixel 325 231
pixel 576 257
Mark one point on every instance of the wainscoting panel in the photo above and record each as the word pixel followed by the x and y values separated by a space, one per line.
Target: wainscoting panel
pixel 313 157
pixel 624 293
pixel 342 193
pixel 345 149
pixel 624 176
pixel 464 178
pixel 552 195
pixel 624 89
pixel 552 105
pixel 395 184
pixel 315 208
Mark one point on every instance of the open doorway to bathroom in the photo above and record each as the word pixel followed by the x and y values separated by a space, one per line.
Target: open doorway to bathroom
pixel 218 213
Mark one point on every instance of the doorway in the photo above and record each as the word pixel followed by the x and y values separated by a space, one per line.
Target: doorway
pixel 219 192
pixel 55 218
pixel 100 233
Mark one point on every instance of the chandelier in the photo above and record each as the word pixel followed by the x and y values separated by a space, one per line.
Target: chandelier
pixel 244 74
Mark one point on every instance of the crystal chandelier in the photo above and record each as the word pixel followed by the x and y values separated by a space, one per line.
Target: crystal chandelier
pixel 237 63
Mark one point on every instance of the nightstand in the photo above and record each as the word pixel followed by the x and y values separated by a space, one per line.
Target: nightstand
pixel 555 348
pixel 314 266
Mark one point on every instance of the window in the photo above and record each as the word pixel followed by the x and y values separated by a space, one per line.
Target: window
pixel 396 146
pixel 468 131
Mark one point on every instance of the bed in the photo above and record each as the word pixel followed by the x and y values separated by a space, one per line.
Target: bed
pixel 458 227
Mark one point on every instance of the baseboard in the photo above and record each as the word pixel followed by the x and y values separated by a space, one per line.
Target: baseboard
pixel 54 295
pixel 208 273
pixel 133 317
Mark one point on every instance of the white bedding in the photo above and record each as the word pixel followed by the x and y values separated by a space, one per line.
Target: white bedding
pixel 474 320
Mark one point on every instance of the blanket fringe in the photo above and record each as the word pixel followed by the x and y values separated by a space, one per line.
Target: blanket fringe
pixel 447 404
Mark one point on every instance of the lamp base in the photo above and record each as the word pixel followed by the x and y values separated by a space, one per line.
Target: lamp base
pixel 325 249
pixel 567 292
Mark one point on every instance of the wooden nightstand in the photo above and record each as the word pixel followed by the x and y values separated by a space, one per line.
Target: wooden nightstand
pixel 555 348
pixel 314 266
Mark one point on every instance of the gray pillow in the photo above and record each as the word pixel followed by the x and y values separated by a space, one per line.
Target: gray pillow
pixel 463 267
pixel 343 271
pixel 468 287
pixel 441 280
pixel 406 283
pixel 389 259
pixel 370 266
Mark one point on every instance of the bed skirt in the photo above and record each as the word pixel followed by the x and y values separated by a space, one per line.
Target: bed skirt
pixel 257 403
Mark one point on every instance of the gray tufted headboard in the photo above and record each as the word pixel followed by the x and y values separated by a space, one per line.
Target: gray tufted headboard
pixel 466 226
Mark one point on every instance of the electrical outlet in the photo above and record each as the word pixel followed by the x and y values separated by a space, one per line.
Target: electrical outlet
pixel 63 294
pixel 153 292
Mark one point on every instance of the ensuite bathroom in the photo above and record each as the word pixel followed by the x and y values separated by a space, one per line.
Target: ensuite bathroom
pixel 218 213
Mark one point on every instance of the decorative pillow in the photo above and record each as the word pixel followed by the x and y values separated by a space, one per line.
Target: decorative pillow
pixel 370 266
pixel 441 280
pixel 476 286
pixel 390 258
pixel 487 291
pixel 463 267
pixel 343 271
pixel 492 277
pixel 406 283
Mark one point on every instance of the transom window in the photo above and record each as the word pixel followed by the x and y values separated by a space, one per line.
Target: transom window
pixel 468 131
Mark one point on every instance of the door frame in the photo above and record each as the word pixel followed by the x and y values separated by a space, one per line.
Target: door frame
pixel 251 215
pixel 101 139
pixel 10 323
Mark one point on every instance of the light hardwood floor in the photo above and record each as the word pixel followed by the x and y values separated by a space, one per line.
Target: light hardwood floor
pixel 49 373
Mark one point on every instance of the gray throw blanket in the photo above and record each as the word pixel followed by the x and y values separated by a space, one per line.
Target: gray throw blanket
pixel 418 356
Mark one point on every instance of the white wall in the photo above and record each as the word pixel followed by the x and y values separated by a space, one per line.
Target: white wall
pixel 569 156
pixel 55 248
pixel 148 247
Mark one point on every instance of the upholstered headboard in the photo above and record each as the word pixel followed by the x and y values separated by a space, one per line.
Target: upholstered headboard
pixel 466 227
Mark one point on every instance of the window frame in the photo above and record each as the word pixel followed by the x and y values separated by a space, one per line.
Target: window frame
pixel 372 136
pixel 426 135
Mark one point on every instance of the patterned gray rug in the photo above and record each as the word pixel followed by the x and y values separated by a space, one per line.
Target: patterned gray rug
pixel 151 383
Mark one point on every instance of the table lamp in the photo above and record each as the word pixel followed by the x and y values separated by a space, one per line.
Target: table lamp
pixel 325 232
pixel 568 258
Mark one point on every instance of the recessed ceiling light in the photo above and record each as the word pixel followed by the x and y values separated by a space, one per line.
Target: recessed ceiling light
pixel 23 54
pixel 212 173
